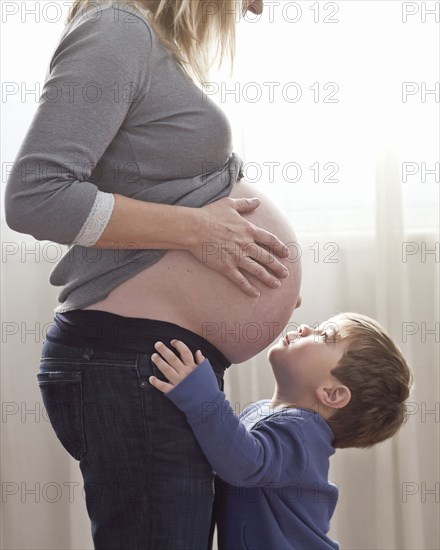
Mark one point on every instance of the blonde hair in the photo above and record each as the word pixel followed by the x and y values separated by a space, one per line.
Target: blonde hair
pixel 197 32
pixel 379 379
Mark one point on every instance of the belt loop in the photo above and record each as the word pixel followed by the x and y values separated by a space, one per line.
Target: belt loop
pixel 88 352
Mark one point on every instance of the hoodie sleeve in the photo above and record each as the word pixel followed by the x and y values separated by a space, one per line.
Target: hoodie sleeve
pixel 271 453
pixel 98 72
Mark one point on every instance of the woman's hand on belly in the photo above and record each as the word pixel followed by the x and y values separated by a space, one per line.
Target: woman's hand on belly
pixel 182 290
pixel 213 307
pixel 228 242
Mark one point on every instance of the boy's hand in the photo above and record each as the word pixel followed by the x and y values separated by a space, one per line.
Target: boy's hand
pixel 171 366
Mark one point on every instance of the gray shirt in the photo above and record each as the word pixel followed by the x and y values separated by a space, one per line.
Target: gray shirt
pixel 117 115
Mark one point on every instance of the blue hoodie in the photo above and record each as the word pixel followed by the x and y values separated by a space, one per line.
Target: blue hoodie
pixel 272 489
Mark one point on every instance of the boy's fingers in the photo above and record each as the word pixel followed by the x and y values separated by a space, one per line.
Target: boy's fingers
pixel 160 384
pixel 171 372
pixel 168 355
pixel 184 351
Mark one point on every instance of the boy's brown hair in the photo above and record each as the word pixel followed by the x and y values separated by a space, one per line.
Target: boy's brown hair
pixel 379 378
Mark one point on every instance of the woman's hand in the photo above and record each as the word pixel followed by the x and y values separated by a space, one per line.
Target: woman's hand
pixel 227 242
pixel 171 366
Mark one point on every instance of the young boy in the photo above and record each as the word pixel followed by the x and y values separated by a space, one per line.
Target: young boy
pixel 342 384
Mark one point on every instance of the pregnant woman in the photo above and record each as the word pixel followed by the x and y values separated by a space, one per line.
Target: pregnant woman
pixel 131 165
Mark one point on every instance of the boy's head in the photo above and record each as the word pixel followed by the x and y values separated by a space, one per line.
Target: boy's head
pixel 350 371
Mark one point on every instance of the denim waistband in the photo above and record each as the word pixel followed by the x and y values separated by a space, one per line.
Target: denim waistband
pixel 108 331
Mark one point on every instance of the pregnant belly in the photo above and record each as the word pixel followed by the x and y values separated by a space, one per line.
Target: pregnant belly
pixel 181 290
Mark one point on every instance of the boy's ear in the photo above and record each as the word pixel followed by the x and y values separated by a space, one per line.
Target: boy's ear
pixel 334 397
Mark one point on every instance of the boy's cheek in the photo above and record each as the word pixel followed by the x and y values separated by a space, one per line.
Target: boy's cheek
pixel 276 348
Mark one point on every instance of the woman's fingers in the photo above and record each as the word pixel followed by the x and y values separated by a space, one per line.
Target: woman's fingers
pixel 243 284
pixel 232 245
pixel 270 241
pixel 273 246
pixel 255 260
pixel 246 262
pixel 243 205
pixel 267 260
pixel 260 272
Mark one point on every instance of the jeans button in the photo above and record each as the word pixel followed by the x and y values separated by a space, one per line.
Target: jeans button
pixel 143 384
pixel 88 352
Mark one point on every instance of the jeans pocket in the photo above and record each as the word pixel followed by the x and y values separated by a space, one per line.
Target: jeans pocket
pixel 62 397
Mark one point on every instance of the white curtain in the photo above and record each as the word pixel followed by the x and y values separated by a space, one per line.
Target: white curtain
pixel 353 176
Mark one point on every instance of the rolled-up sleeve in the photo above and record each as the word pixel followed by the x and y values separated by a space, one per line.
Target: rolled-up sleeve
pixel 98 73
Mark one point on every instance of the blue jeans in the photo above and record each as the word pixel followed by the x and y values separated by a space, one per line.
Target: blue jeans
pixel 147 483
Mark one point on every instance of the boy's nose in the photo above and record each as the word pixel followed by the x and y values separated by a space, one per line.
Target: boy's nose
pixel 303 330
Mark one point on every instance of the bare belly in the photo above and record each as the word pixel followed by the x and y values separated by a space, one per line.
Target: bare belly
pixel 182 290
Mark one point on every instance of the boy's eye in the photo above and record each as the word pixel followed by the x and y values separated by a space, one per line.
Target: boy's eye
pixel 324 335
